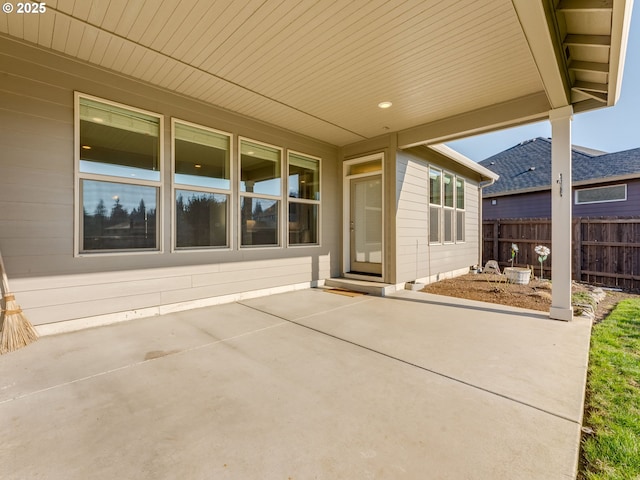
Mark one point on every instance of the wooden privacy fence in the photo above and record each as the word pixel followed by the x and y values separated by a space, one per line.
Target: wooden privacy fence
pixel 606 251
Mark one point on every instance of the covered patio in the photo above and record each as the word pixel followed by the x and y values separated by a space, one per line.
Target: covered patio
pixel 322 84
pixel 306 384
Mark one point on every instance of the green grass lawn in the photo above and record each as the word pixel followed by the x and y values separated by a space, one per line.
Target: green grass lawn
pixel 613 397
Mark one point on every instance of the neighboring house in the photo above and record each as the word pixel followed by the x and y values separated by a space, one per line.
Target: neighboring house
pixel 163 157
pixel 604 184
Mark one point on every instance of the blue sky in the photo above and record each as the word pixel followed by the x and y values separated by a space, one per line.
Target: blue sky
pixel 609 129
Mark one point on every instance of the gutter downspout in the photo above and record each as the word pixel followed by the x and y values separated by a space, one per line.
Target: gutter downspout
pixel 481 185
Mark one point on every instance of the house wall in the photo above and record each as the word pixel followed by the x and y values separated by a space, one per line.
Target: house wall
pixel 415 257
pixel 37 203
pixel 538 204
pixel 628 208
pixel 524 205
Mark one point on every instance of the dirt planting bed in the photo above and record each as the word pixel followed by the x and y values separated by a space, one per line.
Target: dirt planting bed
pixel 536 295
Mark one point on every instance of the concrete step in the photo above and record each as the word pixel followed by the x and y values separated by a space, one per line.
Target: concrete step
pixel 364 286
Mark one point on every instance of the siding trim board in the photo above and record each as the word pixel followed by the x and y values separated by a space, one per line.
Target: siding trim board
pixel 81 323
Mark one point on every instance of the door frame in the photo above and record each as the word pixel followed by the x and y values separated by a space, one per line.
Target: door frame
pixel 346 213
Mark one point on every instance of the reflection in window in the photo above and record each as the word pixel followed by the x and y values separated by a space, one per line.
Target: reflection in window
pixel 303 223
pixel 118 216
pixel 434 224
pixel 435 197
pixel 459 193
pixel 609 193
pixel 260 169
pixel 202 175
pixel 448 225
pixel 118 142
pixel 201 156
pixel 201 219
pixel 460 215
pixel 119 153
pixel 260 194
pixel 366 167
pixel 304 199
pixel 304 177
pixel 259 221
pixel 446 210
pixel 448 190
pixel 460 226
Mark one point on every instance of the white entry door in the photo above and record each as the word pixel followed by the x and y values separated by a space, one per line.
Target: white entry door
pixel 365 225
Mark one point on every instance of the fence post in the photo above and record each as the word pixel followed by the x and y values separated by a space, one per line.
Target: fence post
pixel 496 230
pixel 577 249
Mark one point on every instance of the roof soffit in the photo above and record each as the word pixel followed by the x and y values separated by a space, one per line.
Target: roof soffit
pixel 321 68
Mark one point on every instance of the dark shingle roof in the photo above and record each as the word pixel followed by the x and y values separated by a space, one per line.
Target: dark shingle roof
pixel 527 166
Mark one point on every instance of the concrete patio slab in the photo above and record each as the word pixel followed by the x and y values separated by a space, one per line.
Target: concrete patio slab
pixel 240 392
pixel 518 353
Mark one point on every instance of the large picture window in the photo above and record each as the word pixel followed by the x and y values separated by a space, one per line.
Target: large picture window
pixel 202 181
pixel 119 176
pixel 446 207
pixel 435 204
pixel 260 194
pixel 304 199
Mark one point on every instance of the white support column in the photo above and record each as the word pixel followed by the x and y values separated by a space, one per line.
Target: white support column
pixel 561 202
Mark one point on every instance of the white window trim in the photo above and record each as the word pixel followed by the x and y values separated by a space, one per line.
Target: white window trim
pixel 457 209
pixel 303 200
pixel 446 208
pixel 577 190
pixel 194 188
pixel 346 208
pixel 441 223
pixel 281 228
pixel 78 176
pixel 435 205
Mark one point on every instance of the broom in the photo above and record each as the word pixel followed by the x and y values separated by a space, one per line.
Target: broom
pixel 15 329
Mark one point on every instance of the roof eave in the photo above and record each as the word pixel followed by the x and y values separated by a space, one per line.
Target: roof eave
pixel 621 25
pixel 580 183
pixel 457 157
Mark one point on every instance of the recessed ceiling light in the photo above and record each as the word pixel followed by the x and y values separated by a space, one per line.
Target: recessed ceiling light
pixel 98 119
pixel 197 165
pixel 250 152
pixel 385 104
pixel 86 147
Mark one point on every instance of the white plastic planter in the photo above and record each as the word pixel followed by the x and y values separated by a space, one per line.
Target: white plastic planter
pixel 518 275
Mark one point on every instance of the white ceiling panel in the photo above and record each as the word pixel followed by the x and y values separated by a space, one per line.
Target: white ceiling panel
pixel 45 30
pixel 60 32
pixel 31 27
pixel 100 47
pixel 70 7
pixel 320 68
pixel 89 37
pixel 15 25
pixel 74 37
pixel 121 21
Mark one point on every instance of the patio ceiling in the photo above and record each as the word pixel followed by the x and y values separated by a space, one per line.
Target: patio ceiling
pixel 451 68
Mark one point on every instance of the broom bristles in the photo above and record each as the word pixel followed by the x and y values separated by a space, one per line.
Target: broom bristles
pixel 16 331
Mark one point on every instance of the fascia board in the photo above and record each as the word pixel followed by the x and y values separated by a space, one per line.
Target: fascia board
pixel 464 161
